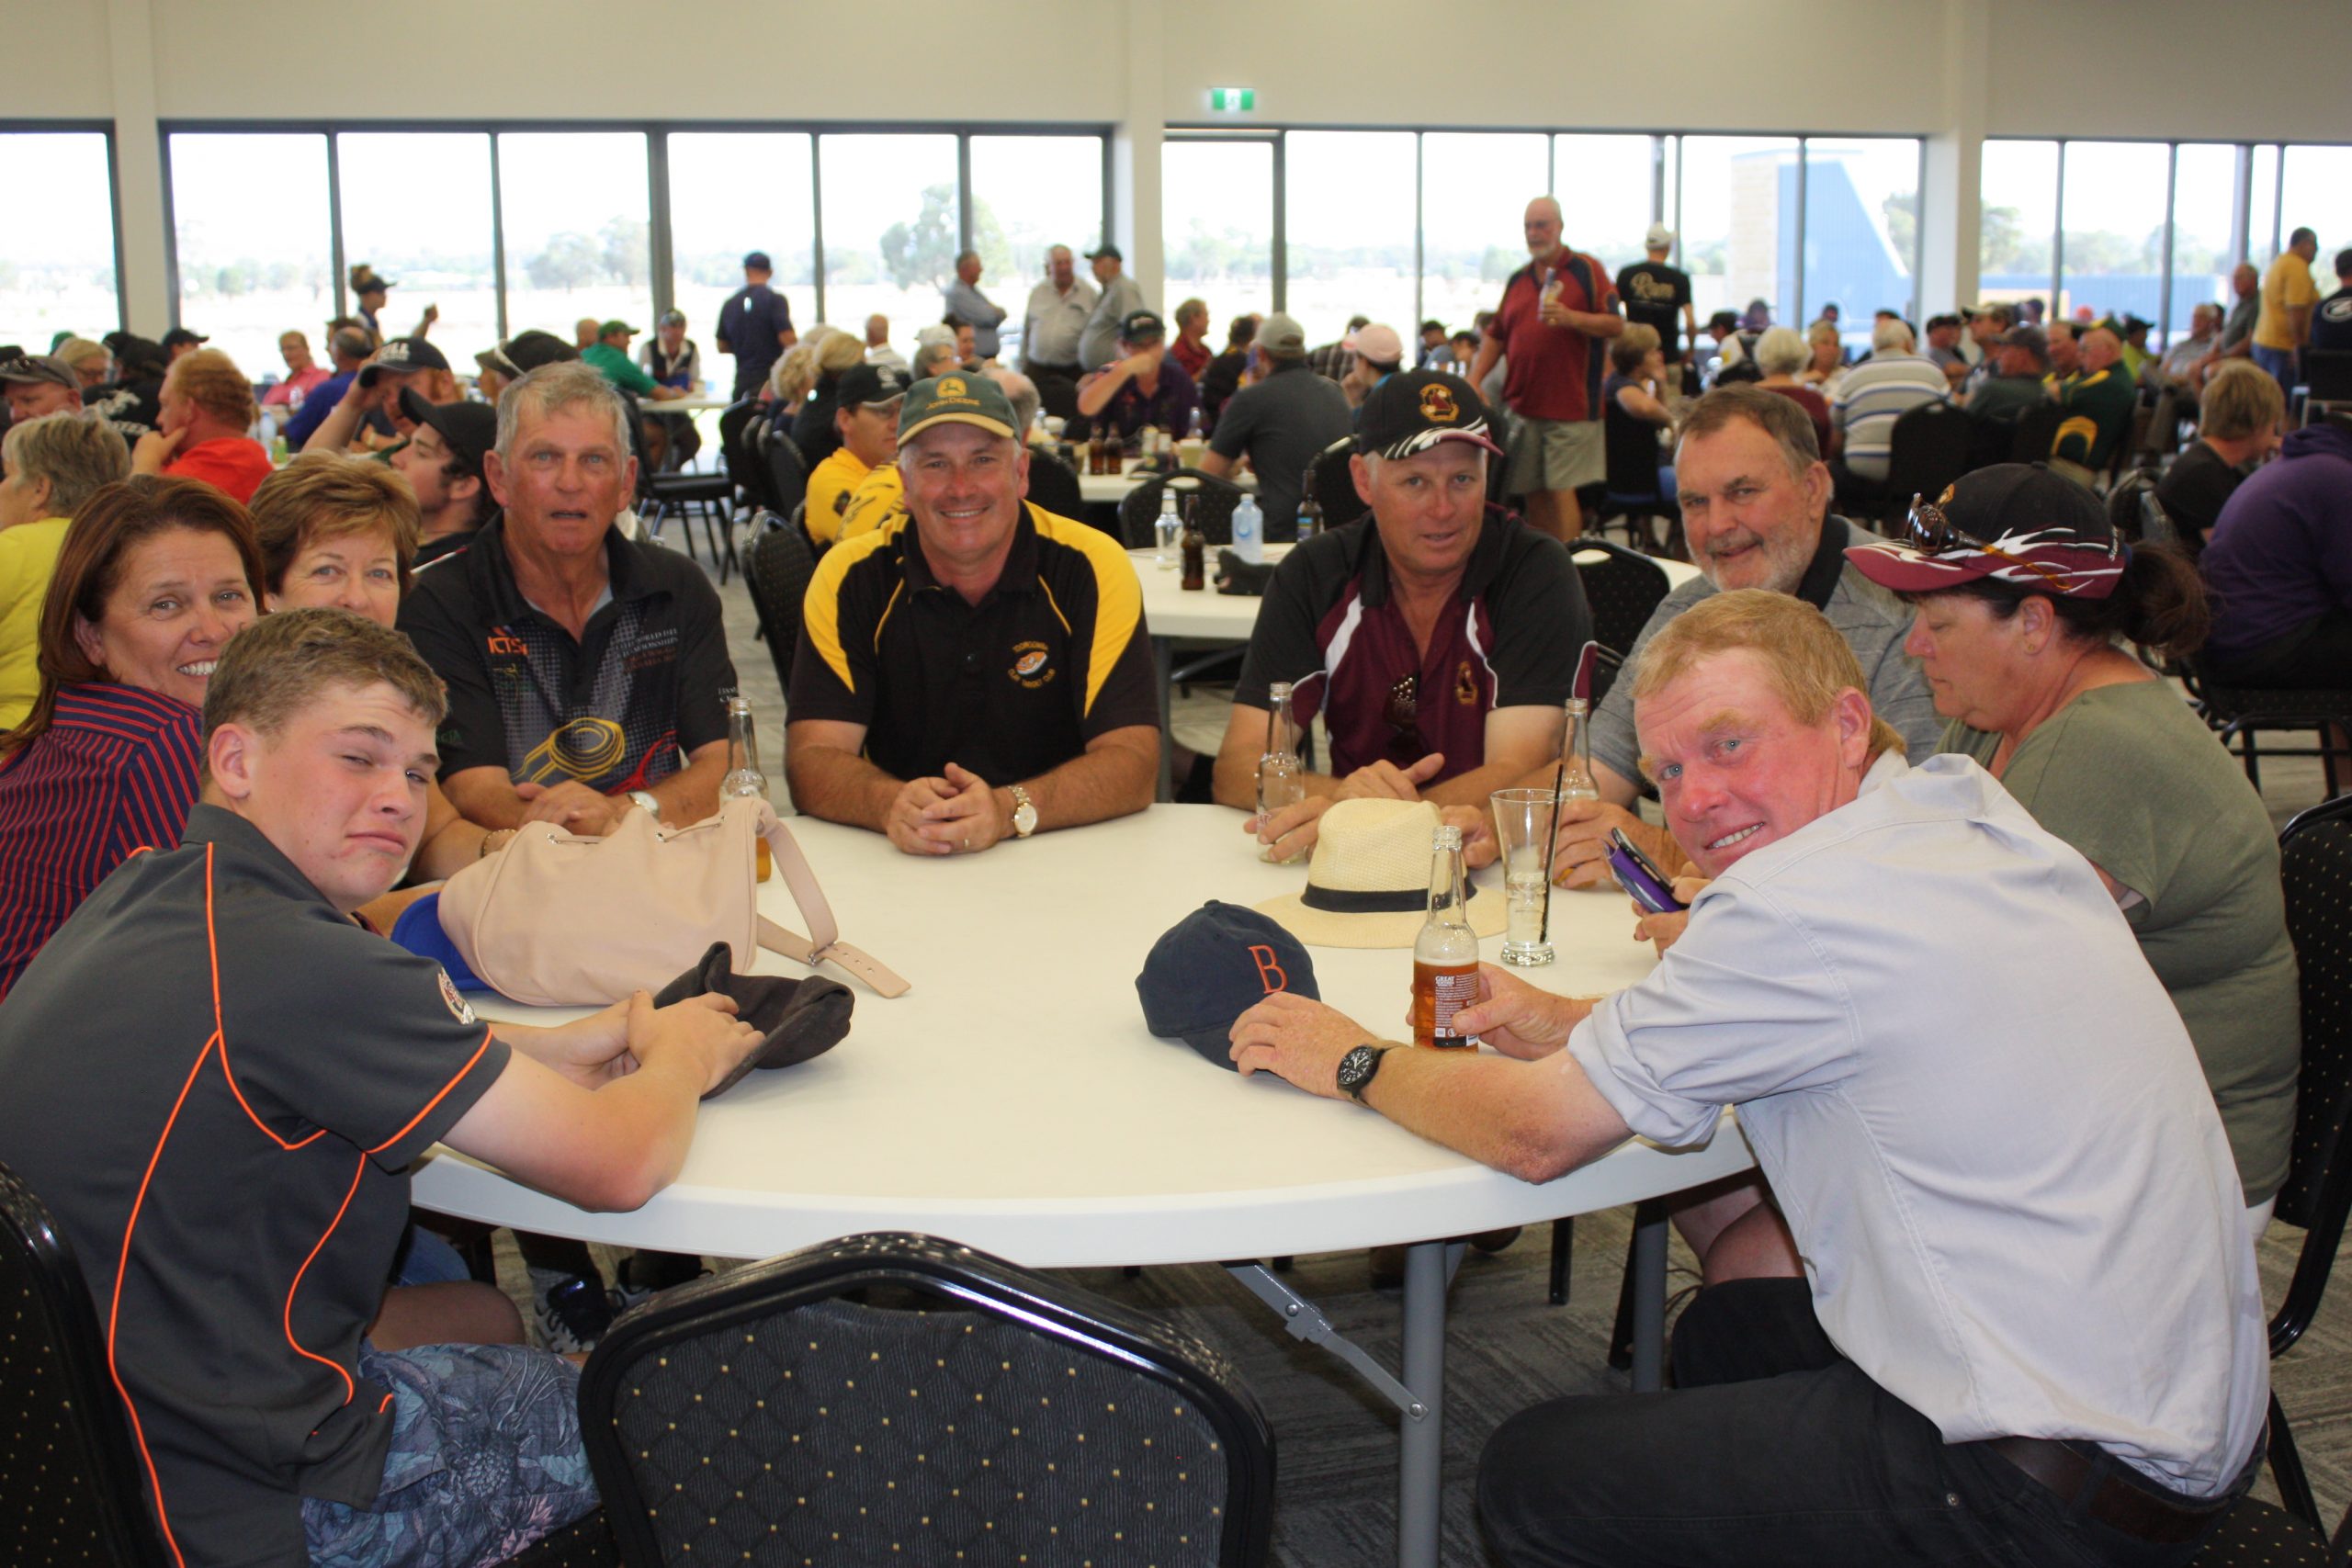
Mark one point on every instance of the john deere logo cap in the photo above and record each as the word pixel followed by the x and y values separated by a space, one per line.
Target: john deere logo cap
pixel 959 400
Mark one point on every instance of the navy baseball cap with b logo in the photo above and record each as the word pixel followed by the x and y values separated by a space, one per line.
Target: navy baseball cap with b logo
pixel 1214 965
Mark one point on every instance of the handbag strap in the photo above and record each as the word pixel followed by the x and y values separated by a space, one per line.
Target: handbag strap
pixel 823 943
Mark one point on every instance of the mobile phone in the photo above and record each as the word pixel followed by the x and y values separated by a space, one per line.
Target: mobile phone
pixel 1642 881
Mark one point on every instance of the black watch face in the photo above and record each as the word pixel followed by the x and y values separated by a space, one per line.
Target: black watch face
pixel 1356 1068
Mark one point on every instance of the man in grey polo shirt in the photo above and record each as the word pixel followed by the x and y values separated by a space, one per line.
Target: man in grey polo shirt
pixel 1050 329
pixel 966 303
pixel 1281 422
pixel 1120 299
pixel 1756 510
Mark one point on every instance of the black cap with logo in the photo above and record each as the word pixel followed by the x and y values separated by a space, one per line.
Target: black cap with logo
pixel 401 357
pixel 1413 411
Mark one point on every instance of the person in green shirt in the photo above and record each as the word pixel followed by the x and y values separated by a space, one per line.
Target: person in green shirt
pixel 2099 399
pixel 2023 593
pixel 609 355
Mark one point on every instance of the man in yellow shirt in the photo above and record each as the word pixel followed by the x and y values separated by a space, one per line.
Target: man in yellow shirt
pixel 867 417
pixel 2288 296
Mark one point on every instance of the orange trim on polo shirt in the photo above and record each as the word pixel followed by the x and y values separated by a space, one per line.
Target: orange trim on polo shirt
pixel 350 1389
pixel 220 1027
pixel 455 1079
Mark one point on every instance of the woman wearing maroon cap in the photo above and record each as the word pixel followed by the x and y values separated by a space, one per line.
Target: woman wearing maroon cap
pixel 2025 595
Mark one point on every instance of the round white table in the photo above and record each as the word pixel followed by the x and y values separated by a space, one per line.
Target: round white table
pixel 1013 1102
pixel 1112 488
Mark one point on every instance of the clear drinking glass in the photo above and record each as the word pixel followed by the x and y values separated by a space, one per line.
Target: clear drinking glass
pixel 1523 823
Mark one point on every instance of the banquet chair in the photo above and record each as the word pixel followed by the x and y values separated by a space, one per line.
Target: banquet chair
pixel 1333 487
pixel 777 565
pixel 888 1398
pixel 1624 587
pixel 1926 450
pixel 1053 484
pixel 786 471
pixel 1213 510
pixel 70 1490
pixel 2035 434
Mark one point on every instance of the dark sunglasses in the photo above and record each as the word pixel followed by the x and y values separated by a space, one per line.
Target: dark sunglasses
pixel 1933 532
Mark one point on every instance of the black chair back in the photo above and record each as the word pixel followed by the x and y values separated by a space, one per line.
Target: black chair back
pixel 787 471
pixel 2127 510
pixel 769 1413
pixel 2036 434
pixel 1623 588
pixel 776 568
pixel 1212 508
pixel 2315 856
pixel 2327 372
pixel 734 419
pixel 1927 449
pixel 1333 487
pixel 69 1481
pixel 1053 484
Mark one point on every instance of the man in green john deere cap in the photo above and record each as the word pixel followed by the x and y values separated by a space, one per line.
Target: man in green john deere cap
pixel 609 355
pixel 980 670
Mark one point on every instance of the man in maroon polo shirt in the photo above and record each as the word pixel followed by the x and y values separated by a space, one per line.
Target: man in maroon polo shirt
pixel 1553 310
pixel 1437 639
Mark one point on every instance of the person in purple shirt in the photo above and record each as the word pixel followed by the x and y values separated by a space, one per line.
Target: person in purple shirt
pixel 2279 564
pixel 1141 387
pixel 155 576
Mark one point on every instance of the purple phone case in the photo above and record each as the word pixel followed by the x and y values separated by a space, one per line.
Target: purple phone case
pixel 1635 874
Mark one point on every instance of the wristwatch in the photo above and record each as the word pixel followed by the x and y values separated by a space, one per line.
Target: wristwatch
pixel 1025 812
pixel 1357 1067
pixel 645 800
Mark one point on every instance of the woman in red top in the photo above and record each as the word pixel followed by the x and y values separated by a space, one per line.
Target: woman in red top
pixel 155 576
pixel 208 407
pixel 1781 353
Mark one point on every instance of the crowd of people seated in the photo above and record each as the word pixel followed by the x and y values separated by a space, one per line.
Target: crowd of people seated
pixel 301 688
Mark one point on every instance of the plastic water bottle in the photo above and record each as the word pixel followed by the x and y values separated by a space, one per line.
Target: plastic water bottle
pixel 1168 531
pixel 1249 531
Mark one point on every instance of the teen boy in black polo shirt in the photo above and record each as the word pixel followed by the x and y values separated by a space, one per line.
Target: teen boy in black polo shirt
pixel 586 672
pixel 217 1080
pixel 981 672
pixel 1439 640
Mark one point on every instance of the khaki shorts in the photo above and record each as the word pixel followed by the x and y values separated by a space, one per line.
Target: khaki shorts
pixel 1555 454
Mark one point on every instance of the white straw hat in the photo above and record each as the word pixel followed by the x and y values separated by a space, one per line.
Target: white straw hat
pixel 1368 884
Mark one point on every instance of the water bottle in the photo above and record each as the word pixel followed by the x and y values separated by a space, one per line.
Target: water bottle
pixel 1249 531
pixel 1169 530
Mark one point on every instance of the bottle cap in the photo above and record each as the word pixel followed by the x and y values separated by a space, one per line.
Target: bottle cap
pixel 1448 838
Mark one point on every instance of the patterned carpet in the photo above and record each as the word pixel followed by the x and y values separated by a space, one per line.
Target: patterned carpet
pixel 1336 1488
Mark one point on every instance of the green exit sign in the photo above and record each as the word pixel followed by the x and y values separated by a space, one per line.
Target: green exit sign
pixel 1233 100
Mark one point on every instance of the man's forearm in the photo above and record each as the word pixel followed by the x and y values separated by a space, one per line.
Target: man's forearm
pixel 840 786
pixel 1094 786
pixel 493 803
pixel 336 432
pixel 1596 323
pixel 1473 787
pixel 692 793
pixel 1489 1108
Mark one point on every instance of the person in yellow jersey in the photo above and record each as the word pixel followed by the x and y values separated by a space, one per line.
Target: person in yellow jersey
pixel 984 671
pixel 867 418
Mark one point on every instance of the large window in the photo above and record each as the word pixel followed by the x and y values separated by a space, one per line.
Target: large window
pixel 1475 191
pixel 891 230
pixel 730 194
pixel 2203 213
pixel 1030 194
pixel 1739 240
pixel 1346 255
pixel 2264 233
pixel 417 208
pixel 2319 197
pixel 2113 227
pixel 1861 228
pixel 1604 183
pixel 577 216
pixel 1216 203
pixel 57 275
pixel 249 227
pixel 2020 219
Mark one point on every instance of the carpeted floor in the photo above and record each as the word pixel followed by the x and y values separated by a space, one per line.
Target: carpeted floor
pixel 1336 1487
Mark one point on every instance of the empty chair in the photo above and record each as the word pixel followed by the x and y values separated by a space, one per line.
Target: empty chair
pixel 1334 487
pixel 1053 484
pixel 1211 507
pixel 777 566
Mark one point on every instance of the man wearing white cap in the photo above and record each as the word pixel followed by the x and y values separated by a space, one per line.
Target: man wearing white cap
pixel 1657 294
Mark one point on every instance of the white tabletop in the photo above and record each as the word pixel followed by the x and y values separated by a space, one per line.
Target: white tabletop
pixel 1014 1100
pixel 1111 488
pixel 693 402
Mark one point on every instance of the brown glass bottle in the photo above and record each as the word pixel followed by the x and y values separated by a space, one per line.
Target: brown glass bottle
pixel 1195 547
pixel 1445 955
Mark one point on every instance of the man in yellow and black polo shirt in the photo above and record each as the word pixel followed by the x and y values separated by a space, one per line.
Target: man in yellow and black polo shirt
pixel 982 672
pixel 867 418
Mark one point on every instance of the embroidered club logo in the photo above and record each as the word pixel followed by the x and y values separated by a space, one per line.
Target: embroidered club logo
pixel 1465 685
pixel 1032 665
pixel 952 387
pixel 459 1009
pixel 1437 405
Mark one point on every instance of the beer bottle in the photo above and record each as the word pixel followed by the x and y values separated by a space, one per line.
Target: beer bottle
pixel 1445 955
pixel 1195 550
pixel 744 780
pixel 1282 777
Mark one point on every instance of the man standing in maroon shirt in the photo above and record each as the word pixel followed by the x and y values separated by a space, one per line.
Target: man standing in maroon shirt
pixel 1553 310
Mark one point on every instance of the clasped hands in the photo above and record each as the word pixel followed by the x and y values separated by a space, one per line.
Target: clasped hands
pixel 1290 832
pixel 957 813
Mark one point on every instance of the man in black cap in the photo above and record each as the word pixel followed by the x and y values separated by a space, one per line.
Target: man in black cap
pixel 518 357
pixel 2019 358
pixel 134 404
pixel 373 396
pixel 1142 386
pixel 755 326
pixel 179 341
pixel 37 384
pixel 443 464
pixel 1120 299
pixel 1437 639
pixel 982 672
pixel 1281 422
pixel 866 414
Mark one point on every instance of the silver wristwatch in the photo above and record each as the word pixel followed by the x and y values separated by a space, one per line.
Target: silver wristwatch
pixel 1025 812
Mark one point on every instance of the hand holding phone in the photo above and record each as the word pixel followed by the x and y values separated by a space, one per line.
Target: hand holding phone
pixel 1641 879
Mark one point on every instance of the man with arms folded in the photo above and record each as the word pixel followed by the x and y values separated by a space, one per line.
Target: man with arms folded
pixel 1437 640
pixel 1755 497
pixel 981 672
pixel 2029 1327
pixel 1051 325
pixel 237 1033
pixel 586 672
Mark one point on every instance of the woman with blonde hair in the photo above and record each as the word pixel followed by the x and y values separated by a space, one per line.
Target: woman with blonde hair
pixel 813 429
pixel 1827 366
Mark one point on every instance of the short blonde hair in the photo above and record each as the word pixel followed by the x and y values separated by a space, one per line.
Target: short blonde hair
pixel 1823 331
pixel 1630 347
pixel 77 454
pixel 79 351
pixel 1780 352
pixel 210 380
pixel 839 352
pixel 2240 400
pixel 1807 663
pixel 794 374
pixel 327 495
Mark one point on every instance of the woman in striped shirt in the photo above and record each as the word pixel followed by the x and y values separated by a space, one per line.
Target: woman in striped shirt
pixel 155 576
